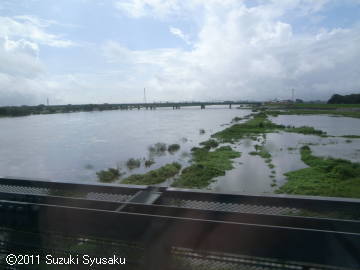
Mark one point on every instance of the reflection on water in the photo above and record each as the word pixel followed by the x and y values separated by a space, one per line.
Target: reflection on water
pixel 335 126
pixel 74 146
pixel 252 175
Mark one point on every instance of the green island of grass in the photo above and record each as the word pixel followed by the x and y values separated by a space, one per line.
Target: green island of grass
pixel 109 175
pixel 306 130
pixel 324 177
pixel 207 165
pixel 326 111
pixel 155 176
pixel 257 125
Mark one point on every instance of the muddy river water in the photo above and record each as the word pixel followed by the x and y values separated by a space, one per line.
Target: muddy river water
pixel 74 146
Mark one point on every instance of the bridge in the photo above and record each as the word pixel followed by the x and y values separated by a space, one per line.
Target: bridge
pixel 167 228
pixel 178 105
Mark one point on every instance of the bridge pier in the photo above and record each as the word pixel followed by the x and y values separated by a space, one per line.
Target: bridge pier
pixel 138 107
pixel 202 107
pixel 230 106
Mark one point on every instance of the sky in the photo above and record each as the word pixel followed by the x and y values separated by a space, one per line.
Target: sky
pixel 108 51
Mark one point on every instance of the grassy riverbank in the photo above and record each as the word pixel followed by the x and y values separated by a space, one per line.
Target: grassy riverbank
pixel 258 125
pixel 324 177
pixel 155 176
pixel 339 113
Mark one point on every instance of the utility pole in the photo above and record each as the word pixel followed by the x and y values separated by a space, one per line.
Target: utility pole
pixel 47 101
pixel 293 95
pixel 144 96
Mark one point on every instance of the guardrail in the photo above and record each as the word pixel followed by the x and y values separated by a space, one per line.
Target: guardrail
pixel 181 229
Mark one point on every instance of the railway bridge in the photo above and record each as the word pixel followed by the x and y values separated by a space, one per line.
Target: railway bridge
pixel 167 228
pixel 178 105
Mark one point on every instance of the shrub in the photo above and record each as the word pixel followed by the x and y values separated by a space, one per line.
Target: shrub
pixel 133 163
pixel 109 175
pixel 210 143
pixel 149 162
pixel 173 147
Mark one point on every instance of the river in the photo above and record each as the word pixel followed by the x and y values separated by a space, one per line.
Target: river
pixel 74 146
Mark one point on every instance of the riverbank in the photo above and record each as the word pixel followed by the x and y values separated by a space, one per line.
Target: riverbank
pixel 216 156
pixel 324 177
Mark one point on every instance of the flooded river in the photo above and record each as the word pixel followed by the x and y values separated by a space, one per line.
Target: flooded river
pixel 74 146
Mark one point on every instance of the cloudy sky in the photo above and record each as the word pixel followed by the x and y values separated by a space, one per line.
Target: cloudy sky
pixel 96 51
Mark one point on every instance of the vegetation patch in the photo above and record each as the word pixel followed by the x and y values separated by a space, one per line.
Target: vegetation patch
pixel 207 165
pixel 172 148
pixel 210 143
pixel 157 149
pixel 351 136
pixel 324 177
pixel 133 163
pixel 109 175
pixel 155 176
pixel 149 162
pixel 258 125
pixel 306 130
pixel 326 111
pixel 236 119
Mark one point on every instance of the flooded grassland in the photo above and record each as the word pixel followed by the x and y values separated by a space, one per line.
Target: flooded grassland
pixel 259 151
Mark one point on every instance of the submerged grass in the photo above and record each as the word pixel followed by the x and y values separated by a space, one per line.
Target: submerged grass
pixel 210 143
pixel 207 165
pixel 258 125
pixel 155 176
pixel 109 175
pixel 354 114
pixel 172 148
pixel 306 130
pixel 324 177
pixel 133 163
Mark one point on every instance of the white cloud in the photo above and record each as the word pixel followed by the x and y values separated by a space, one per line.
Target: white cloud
pixel 31 28
pixel 250 53
pixel 177 32
pixel 21 71
pixel 239 52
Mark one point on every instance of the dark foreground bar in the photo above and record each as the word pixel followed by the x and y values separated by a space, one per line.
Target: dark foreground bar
pixel 159 228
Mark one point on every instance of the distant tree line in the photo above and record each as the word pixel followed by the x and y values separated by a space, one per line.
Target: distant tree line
pixel 42 109
pixel 346 99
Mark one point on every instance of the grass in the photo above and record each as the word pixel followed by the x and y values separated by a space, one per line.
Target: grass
pixel 133 163
pixel 155 176
pixel 149 162
pixel 351 136
pixel 109 175
pixel 236 119
pixel 354 114
pixel 306 130
pixel 210 143
pixel 324 177
pixel 207 165
pixel 157 149
pixel 315 105
pixel 259 124
pixel 172 148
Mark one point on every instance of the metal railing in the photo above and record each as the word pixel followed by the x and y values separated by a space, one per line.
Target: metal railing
pixel 166 228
